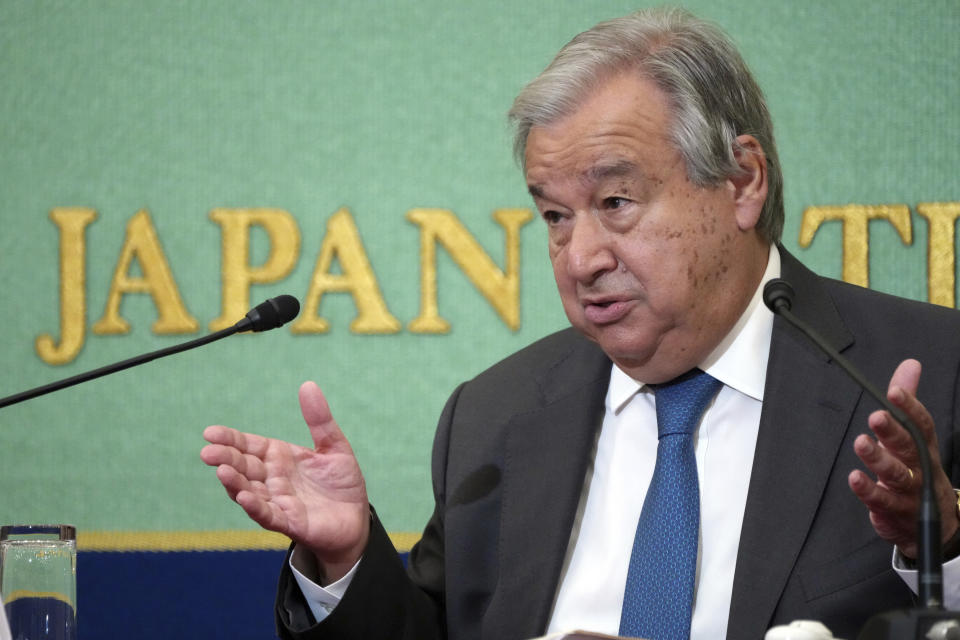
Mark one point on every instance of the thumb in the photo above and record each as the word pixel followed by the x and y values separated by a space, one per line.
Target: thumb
pixel 906 376
pixel 324 431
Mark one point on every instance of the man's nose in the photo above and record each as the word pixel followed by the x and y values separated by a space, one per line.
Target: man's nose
pixel 589 253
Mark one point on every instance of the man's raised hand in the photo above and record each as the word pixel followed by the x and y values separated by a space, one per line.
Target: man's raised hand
pixel 894 496
pixel 316 497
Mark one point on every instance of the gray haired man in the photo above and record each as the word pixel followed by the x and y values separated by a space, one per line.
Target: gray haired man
pixel 649 152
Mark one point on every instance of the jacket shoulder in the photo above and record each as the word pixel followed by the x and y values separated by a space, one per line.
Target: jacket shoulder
pixel 548 368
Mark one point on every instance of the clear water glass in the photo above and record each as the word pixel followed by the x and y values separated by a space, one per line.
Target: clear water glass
pixel 38 580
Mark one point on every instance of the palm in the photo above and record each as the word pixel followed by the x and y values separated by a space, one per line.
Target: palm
pixel 310 495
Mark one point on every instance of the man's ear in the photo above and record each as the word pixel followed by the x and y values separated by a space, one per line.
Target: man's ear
pixel 750 185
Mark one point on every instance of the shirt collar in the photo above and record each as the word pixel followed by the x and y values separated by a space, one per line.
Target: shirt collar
pixel 739 361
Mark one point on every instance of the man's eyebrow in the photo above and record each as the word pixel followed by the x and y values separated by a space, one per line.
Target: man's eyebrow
pixel 595 173
pixel 617 169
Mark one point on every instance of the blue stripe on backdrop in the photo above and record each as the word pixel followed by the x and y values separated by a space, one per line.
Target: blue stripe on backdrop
pixel 173 594
pixel 162 595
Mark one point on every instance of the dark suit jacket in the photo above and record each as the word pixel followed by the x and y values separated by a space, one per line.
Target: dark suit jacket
pixel 512 450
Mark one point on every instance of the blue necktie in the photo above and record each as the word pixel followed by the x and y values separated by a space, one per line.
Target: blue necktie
pixel 658 599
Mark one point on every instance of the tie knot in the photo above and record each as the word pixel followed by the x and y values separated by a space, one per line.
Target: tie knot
pixel 682 401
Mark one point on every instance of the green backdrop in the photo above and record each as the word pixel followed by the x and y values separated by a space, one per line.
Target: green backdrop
pixel 180 108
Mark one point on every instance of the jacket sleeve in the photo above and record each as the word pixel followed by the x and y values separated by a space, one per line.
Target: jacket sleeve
pixel 381 602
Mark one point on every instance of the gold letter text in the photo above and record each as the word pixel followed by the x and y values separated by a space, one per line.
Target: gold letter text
pixel 342 241
pixel 72 222
pixel 941 256
pixel 236 273
pixel 500 288
pixel 856 233
pixel 142 243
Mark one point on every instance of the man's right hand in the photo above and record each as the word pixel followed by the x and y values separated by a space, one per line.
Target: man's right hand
pixel 316 497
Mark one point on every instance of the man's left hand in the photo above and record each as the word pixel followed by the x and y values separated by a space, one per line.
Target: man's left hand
pixel 894 497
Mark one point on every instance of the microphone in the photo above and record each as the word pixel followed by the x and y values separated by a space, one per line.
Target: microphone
pixel 270 314
pixel 778 296
pixel 267 315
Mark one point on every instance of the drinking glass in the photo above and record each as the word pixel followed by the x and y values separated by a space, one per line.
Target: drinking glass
pixel 38 580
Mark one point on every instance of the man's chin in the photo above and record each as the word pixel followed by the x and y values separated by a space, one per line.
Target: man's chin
pixel 626 356
pixel 646 361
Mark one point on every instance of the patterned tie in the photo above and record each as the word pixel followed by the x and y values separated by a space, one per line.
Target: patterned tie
pixel 658 599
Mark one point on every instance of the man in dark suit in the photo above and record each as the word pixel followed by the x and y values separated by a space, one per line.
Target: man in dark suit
pixel 649 152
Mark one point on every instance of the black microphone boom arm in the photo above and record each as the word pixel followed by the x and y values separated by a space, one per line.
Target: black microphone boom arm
pixel 267 315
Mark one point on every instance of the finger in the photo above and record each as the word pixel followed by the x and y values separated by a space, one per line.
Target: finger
pixel 326 434
pixel 244 442
pixel 261 511
pixel 906 376
pixel 893 437
pixel 902 392
pixel 877 499
pixel 218 434
pixel 250 466
pixel 889 469
pixel 861 484
pixel 232 480
pixel 214 455
pixel 218 454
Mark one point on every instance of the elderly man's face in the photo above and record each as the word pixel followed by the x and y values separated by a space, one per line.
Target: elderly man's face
pixel 650 266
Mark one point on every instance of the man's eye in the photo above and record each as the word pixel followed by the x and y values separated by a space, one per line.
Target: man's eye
pixel 614 202
pixel 552 217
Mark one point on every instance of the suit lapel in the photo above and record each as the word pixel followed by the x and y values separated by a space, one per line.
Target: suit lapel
pixel 808 404
pixel 547 454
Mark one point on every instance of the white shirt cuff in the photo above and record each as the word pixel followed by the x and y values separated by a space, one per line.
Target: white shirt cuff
pixel 951 579
pixel 321 600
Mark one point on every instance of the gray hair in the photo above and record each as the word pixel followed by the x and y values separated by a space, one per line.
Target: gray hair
pixel 712 92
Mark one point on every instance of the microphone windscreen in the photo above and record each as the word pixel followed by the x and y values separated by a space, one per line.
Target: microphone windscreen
pixel 287 308
pixel 273 313
pixel 778 293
